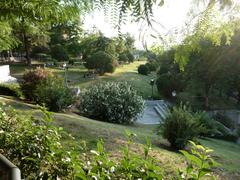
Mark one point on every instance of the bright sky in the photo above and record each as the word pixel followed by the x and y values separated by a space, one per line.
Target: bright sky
pixel 169 17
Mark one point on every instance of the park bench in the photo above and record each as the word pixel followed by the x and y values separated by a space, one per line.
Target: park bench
pixel 5 76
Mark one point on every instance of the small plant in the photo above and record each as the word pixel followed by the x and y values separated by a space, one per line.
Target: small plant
pixel 180 126
pixel 143 69
pixel 111 102
pixel 200 163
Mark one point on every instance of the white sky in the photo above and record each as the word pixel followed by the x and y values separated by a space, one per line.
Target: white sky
pixel 170 16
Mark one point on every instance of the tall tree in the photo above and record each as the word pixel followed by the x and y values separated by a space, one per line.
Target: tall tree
pixel 37 15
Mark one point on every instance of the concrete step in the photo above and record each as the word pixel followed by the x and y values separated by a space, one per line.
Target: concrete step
pixel 162 109
pixel 160 112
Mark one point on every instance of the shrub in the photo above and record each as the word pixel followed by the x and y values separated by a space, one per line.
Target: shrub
pixel 11 90
pixel 111 102
pixel 31 79
pixel 180 126
pixel 101 62
pixel 59 53
pixel 209 124
pixel 152 66
pixel 143 69
pixel 123 57
pixel 130 56
pixel 34 145
pixel 53 94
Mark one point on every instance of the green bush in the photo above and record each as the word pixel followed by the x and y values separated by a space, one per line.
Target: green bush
pixel 152 66
pixel 208 123
pixel 59 53
pixel 53 94
pixel 11 90
pixel 34 145
pixel 180 126
pixel 130 56
pixel 111 102
pixel 31 79
pixel 101 62
pixel 143 69
pixel 123 57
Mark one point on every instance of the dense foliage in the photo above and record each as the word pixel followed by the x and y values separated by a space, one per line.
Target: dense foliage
pixel 43 87
pixel 31 79
pixel 11 90
pixel 101 62
pixel 180 126
pixel 34 145
pixel 53 93
pixel 111 102
pixel 143 69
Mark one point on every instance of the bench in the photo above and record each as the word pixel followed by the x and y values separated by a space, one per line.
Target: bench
pixel 5 76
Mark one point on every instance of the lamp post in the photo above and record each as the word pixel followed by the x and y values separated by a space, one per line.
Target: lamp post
pixel 65 73
pixel 152 84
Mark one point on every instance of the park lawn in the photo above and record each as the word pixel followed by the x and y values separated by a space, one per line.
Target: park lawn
pixel 124 73
pixel 89 130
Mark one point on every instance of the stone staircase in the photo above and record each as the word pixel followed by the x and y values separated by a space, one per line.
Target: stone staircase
pixel 162 109
pixel 155 112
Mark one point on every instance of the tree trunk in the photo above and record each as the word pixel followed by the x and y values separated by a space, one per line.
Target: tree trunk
pixel 206 104
pixel 26 46
pixel 26 43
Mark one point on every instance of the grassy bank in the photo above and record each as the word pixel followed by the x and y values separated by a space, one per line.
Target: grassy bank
pixel 89 130
pixel 125 73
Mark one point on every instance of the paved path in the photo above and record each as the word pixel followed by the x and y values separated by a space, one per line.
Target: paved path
pixel 150 116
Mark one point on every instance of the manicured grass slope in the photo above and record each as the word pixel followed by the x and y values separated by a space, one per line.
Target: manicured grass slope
pixel 227 153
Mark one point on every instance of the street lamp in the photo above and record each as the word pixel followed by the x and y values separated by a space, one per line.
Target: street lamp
pixel 174 93
pixel 152 84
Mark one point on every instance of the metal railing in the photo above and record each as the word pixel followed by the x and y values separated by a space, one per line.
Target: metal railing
pixel 8 170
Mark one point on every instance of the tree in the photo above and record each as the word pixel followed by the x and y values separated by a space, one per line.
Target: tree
pixel 97 42
pixel 34 17
pixel 101 62
pixel 67 35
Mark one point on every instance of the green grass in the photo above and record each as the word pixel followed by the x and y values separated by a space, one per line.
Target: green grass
pixel 125 73
pixel 226 153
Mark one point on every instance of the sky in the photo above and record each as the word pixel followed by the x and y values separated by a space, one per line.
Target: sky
pixel 169 17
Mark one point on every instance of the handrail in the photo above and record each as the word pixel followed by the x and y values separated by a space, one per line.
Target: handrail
pixel 14 172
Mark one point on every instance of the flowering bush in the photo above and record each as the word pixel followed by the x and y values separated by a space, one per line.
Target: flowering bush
pixel 31 79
